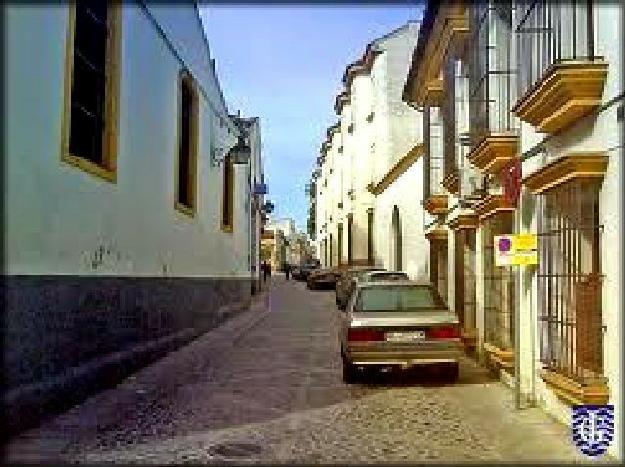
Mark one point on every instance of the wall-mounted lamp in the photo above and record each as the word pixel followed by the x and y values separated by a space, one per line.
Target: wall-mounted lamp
pixel 217 156
pixel 268 207
pixel 239 153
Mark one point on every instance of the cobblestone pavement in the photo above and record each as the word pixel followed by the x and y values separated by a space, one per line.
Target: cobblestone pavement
pixel 266 387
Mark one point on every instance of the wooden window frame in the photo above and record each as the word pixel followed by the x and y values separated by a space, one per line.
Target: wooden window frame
pixel 107 170
pixel 227 203
pixel 190 209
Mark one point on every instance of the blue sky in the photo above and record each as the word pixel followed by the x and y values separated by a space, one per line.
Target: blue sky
pixel 284 64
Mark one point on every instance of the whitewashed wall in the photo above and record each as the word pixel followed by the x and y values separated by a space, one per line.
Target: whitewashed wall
pixel 593 133
pixel 59 215
pixel 405 193
pixel 398 128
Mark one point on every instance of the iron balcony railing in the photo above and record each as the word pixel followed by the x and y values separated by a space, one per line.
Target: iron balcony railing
pixel 433 142
pixel 492 70
pixel 570 281
pixel 550 32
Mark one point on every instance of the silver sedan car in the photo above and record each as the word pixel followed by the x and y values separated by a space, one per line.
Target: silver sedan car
pixel 398 324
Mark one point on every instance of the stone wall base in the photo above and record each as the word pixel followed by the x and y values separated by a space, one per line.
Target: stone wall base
pixel 67 337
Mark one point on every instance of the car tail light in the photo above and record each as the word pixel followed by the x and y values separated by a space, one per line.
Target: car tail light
pixel 364 335
pixel 443 332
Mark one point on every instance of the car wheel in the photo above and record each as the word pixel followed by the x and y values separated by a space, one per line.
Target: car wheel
pixel 350 374
pixel 452 372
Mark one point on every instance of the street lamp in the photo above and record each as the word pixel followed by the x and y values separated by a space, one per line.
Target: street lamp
pixel 268 207
pixel 241 152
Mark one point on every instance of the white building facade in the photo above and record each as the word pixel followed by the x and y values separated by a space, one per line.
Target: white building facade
pixel 527 139
pixel 128 219
pixel 369 165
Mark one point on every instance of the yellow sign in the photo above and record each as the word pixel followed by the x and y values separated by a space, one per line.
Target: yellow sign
pixel 516 250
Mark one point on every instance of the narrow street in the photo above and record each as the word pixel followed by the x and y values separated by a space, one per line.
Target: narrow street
pixel 266 387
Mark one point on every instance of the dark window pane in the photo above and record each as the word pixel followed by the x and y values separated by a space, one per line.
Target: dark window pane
pixel 88 81
pixel 184 155
pixel 227 197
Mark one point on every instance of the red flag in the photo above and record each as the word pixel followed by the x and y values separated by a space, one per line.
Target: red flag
pixel 511 177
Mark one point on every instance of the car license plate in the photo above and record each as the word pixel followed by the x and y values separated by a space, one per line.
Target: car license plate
pixel 409 336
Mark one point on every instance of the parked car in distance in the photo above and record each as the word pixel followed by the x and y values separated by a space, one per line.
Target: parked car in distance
pixel 347 281
pixel 302 272
pixel 398 324
pixel 322 279
pixel 376 276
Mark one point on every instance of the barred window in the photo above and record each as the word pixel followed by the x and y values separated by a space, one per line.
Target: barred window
pixel 569 281
pixel 370 232
pixel 448 110
pixel 433 141
pixel 498 286
pixel 464 268
pixel 549 33
pixel 438 266
pixel 339 240
pixel 491 72
pixel 470 177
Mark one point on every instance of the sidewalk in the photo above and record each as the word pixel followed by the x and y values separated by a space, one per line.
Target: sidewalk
pixel 82 424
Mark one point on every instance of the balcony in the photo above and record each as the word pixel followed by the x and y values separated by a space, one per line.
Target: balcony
pixel 433 93
pixel 575 392
pixel 586 165
pixel 436 234
pixel 494 152
pixel 465 220
pixel 436 204
pixel 491 205
pixel 498 357
pixel 449 29
pixel 567 92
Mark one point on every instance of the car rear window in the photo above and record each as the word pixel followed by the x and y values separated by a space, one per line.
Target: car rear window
pixel 361 274
pixel 397 298
pixel 385 276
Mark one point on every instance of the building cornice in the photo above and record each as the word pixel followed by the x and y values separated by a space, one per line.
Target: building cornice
pixel 343 98
pixel 397 170
pixel 577 165
pixel 444 29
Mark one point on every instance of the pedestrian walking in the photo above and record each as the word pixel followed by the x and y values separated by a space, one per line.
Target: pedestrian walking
pixel 287 270
pixel 263 267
